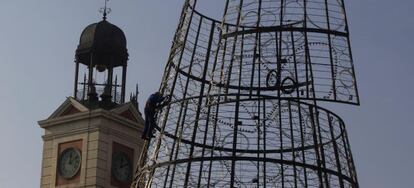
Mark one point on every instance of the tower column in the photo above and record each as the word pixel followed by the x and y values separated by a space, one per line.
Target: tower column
pixel 75 90
pixel 124 72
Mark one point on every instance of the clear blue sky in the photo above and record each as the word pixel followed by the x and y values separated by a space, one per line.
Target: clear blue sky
pixel 38 40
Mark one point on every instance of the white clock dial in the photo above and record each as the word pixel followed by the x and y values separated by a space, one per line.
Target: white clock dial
pixel 69 163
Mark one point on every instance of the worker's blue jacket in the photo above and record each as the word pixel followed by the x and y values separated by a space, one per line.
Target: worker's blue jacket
pixel 152 101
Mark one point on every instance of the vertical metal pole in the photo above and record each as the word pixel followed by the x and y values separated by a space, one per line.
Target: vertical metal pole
pixel 217 109
pixel 75 91
pixel 316 144
pixel 335 146
pixel 257 48
pixel 233 49
pixel 302 140
pixel 187 174
pixel 124 72
pixel 84 87
pixel 180 127
pixel 333 68
pixel 110 80
pixel 264 144
pixel 206 101
pixel 255 54
pixel 236 114
pixel 278 36
pixel 116 89
pixel 350 51
pixel 307 62
pixel 235 133
pixel 174 46
pixel 216 115
pixel 299 112
pixel 312 115
pixel 292 142
pixel 90 76
pixel 158 143
pixel 214 140
pixel 348 153
pixel 321 146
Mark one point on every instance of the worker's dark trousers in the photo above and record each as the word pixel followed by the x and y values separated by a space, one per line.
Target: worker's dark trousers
pixel 149 123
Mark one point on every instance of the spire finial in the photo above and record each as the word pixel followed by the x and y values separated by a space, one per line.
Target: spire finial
pixel 137 90
pixel 105 10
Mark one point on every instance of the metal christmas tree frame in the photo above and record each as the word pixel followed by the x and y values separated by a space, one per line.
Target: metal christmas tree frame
pixel 244 94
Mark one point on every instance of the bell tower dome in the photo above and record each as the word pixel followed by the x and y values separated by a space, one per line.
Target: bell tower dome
pixel 101 56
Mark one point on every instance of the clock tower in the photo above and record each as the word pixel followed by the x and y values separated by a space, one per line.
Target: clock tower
pixel 92 139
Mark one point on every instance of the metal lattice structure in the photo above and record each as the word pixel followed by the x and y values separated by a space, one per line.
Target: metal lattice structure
pixel 244 94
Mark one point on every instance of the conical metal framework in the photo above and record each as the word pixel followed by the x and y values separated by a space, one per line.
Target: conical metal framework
pixel 243 93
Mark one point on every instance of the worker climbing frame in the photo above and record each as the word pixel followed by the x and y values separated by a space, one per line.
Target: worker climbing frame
pixel 244 94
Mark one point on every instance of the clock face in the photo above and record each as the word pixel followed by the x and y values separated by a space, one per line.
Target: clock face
pixel 121 167
pixel 69 163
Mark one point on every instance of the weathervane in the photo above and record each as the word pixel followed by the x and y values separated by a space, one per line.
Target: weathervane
pixel 105 10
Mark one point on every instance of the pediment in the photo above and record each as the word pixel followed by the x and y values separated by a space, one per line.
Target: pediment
pixel 128 111
pixel 69 107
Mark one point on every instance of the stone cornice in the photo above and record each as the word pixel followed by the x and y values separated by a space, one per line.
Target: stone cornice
pixel 98 113
pixel 106 130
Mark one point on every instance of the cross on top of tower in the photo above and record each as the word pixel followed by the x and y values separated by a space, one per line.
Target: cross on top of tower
pixel 105 10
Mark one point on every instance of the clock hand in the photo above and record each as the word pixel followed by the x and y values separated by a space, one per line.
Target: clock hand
pixel 124 165
pixel 70 158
